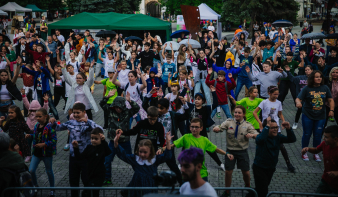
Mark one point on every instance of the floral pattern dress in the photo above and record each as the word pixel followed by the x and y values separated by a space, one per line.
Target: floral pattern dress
pixel 17 130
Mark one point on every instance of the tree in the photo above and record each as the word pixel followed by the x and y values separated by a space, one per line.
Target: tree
pixel 126 6
pixel 174 6
pixel 100 6
pixel 262 10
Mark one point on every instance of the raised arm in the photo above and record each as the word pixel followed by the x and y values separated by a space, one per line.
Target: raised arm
pixel 117 83
pixel 17 70
pixel 144 84
pixel 90 79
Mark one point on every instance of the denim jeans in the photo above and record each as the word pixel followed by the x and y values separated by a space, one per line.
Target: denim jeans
pixel 98 68
pixel 241 81
pixel 327 51
pixel 206 90
pixel 62 55
pixel 107 163
pixel 50 102
pixel 226 110
pixel 312 126
pixel 48 166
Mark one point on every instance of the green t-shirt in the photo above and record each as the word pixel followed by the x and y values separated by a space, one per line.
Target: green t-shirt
pixel 250 106
pixel 203 143
pixel 293 65
pixel 110 86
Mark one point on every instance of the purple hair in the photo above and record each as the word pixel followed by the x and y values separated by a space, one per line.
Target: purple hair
pixel 191 155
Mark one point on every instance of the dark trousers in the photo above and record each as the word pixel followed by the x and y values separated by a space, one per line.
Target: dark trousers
pixel 94 182
pixel 106 114
pixel 173 166
pixel 164 87
pixel 50 102
pixel 77 168
pixel 53 61
pixel 262 179
pixel 284 87
pixel 89 114
pixel 58 93
pixel 299 112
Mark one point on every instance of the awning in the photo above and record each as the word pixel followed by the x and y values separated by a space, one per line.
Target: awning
pixel 34 8
pixel 14 7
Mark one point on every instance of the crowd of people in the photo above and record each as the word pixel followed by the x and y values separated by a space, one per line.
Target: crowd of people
pixel 166 91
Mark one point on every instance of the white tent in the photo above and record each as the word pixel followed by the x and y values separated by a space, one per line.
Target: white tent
pixel 206 13
pixel 2 13
pixel 14 7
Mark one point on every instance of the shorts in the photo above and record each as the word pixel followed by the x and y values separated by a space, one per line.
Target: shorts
pixel 242 159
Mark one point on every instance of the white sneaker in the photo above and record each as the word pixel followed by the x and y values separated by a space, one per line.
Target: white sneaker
pixel 316 157
pixel 179 166
pixel 305 157
pixel 222 167
pixel 295 125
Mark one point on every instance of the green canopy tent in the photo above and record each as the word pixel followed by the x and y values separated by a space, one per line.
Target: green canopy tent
pixel 114 21
pixel 34 8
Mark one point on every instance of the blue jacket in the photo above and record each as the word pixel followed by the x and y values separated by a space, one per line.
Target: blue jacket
pixel 93 53
pixel 158 81
pixel 45 76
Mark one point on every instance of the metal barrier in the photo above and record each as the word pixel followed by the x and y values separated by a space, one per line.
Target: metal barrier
pixel 115 191
pixel 296 194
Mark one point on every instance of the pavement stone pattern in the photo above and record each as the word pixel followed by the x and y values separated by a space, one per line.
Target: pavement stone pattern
pixel 306 178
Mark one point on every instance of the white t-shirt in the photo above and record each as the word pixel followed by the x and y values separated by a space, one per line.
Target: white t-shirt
pixel 80 96
pixel 108 64
pixel 271 34
pixel 132 90
pixel 68 86
pixel 61 38
pixel 3 64
pixel 255 71
pixel 271 109
pixel 205 190
pixel 211 28
pixel 5 95
pixel 75 64
pixel 171 97
pixel 123 76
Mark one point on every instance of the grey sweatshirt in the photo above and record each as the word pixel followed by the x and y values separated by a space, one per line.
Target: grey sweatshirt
pixel 266 80
pixel 300 81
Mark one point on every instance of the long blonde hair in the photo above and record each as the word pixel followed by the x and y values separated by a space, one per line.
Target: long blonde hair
pixel 330 75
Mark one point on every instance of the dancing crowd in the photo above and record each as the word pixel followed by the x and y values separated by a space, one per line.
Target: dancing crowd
pixel 165 90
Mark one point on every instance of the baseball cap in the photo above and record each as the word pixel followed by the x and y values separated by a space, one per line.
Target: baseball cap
pixel 111 70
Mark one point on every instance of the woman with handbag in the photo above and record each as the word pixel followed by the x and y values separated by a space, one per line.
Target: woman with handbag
pixel 8 89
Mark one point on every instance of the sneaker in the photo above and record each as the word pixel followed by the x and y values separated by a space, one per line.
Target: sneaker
pixel 222 167
pixel 291 168
pixel 218 115
pixel 316 157
pixel 28 159
pixel 66 148
pixel 179 166
pixel 295 125
pixel 305 157
pixel 107 182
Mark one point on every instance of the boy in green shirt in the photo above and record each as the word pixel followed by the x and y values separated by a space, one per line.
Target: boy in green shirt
pixel 110 92
pixel 196 140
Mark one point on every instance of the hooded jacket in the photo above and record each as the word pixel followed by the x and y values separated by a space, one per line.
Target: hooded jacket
pixel 119 120
pixel 158 81
pixel 34 105
pixel 12 161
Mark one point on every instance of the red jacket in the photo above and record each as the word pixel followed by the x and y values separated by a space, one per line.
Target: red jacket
pixel 220 89
pixel 37 56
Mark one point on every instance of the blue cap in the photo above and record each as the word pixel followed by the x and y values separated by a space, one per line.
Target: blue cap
pixel 332 26
pixel 264 23
pixel 240 26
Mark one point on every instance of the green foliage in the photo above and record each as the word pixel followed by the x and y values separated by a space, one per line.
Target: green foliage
pixel 259 10
pixel 100 6
pixel 174 6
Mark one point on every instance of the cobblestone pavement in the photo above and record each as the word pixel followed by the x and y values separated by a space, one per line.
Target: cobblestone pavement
pixel 306 178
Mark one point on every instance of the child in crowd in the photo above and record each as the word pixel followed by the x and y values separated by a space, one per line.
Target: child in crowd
pixel 44 147
pixel 250 104
pixel 329 147
pixel 123 73
pixel 144 162
pixel 133 63
pixel 118 119
pixel 148 128
pixel 85 70
pixel 196 140
pixel 272 107
pixel 223 88
pixel 111 92
pixel 154 81
pixel 167 68
pixel 25 58
pixel 28 85
pixel 16 127
pixel 95 154
pixel 38 54
pixel 79 129
pixel 31 119
pixel 14 147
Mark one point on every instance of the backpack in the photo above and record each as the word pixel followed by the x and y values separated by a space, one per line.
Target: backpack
pixel 138 91
pixel 226 89
pixel 23 179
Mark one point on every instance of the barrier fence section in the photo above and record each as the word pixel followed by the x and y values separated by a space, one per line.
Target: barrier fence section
pixel 116 191
pixel 297 194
